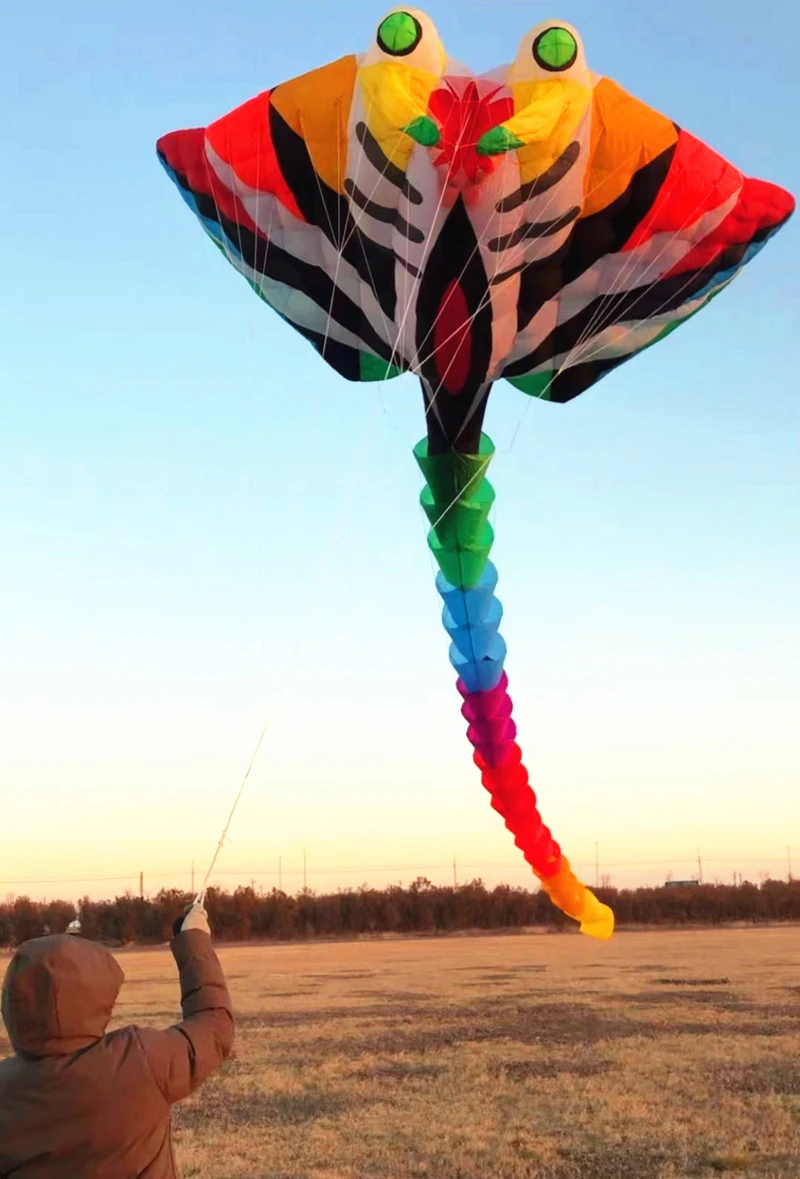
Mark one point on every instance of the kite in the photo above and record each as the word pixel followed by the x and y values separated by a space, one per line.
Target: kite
pixel 536 224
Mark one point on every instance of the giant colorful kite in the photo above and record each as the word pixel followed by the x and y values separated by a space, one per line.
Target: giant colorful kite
pixel 536 224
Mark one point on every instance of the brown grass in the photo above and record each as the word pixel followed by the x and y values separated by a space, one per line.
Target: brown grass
pixel 658 1056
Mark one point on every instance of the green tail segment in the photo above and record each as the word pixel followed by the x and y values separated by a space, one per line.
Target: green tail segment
pixel 457 500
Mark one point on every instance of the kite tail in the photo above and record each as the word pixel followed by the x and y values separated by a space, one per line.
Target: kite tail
pixel 457 500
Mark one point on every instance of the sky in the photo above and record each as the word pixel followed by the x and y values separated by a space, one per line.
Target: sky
pixel 201 525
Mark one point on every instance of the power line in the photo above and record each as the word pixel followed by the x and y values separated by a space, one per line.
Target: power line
pixel 506 865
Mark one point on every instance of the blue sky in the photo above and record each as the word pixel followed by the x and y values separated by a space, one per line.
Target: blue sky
pixel 188 494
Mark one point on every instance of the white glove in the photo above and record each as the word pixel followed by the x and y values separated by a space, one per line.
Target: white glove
pixel 195 917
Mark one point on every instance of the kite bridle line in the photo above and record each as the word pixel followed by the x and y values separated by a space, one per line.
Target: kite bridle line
pixel 486 298
pixel 599 313
pixel 599 320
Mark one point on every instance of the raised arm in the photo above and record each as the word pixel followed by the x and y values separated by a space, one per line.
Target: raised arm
pixel 186 1055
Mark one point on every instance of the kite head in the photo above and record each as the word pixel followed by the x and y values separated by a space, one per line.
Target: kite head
pixel 414 94
pixel 551 93
pixel 396 78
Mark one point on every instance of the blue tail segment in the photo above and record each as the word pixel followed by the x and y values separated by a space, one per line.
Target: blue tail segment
pixel 472 619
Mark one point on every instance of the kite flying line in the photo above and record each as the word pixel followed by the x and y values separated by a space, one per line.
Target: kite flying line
pixel 323 566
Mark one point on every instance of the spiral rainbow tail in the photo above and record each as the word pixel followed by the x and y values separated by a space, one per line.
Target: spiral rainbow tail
pixel 457 499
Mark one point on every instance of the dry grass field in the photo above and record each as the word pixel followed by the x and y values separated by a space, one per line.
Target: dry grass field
pixel 658 1056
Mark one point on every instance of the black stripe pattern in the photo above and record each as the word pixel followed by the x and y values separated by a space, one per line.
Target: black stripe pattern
pixel 382 164
pixel 531 231
pixel 629 307
pixel 269 260
pixel 604 232
pixel 383 214
pixel 330 212
pixel 549 179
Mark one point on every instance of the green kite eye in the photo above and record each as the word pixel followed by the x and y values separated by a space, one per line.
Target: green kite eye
pixel 555 49
pixel 399 34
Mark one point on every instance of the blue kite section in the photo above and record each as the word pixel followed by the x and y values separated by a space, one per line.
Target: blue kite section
pixel 212 228
pixel 472 619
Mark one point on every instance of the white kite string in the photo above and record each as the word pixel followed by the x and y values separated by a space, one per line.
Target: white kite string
pixel 321 574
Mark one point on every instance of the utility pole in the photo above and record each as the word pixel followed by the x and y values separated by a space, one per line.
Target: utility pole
pixel 305 880
pixel 141 886
pixel 789 858
pixel 280 873
pixel 699 868
pixel 596 864
pixel 455 872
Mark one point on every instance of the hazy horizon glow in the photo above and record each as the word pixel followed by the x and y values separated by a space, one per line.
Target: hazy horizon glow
pixel 190 496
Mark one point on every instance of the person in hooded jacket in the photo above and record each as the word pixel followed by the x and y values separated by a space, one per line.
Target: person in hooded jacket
pixel 77 1103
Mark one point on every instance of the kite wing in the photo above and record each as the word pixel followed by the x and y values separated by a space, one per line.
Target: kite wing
pixel 665 226
pixel 267 183
pixel 331 194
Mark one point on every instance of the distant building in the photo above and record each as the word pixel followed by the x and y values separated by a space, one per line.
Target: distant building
pixel 681 884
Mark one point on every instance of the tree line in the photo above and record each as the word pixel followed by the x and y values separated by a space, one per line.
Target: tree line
pixel 421 908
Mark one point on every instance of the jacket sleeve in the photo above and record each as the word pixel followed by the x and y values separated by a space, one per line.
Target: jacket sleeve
pixel 181 1058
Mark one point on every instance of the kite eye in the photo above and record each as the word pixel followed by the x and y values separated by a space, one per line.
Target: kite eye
pixel 555 50
pixel 399 34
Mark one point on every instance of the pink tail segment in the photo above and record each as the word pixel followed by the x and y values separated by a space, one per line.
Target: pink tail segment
pixel 492 733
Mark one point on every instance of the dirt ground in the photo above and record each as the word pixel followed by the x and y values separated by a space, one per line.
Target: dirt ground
pixel 670 1055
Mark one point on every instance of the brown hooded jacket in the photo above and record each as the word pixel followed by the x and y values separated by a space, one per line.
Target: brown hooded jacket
pixel 76 1103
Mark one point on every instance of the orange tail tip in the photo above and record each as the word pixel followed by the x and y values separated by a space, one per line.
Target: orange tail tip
pixel 577 901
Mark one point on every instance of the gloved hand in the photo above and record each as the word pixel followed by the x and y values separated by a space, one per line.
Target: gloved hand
pixel 195 917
